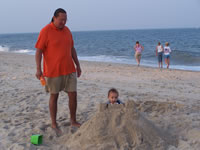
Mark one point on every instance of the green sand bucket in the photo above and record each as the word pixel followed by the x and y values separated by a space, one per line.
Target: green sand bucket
pixel 36 139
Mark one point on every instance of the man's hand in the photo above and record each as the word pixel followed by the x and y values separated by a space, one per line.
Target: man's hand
pixel 38 74
pixel 78 70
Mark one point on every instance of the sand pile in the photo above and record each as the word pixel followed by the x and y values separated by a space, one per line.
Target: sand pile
pixel 119 127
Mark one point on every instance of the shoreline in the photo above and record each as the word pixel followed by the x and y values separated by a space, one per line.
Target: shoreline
pixel 168 98
pixel 135 65
pixel 143 66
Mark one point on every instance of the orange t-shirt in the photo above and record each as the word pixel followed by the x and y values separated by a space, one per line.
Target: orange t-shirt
pixel 56 46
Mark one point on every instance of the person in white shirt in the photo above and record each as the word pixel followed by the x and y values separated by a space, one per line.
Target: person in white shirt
pixel 167 51
pixel 159 53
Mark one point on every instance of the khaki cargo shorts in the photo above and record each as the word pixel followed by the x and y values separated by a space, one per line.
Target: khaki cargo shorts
pixel 66 83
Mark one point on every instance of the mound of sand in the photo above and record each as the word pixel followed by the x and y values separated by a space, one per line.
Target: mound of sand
pixel 159 108
pixel 119 127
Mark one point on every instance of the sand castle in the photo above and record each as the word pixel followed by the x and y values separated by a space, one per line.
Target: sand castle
pixel 120 127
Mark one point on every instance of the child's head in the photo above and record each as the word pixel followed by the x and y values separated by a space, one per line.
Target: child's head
pixel 167 44
pixel 158 43
pixel 113 95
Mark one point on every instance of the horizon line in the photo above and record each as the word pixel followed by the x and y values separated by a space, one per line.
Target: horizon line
pixel 99 30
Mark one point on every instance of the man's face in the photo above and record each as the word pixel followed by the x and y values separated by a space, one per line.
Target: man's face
pixel 60 21
pixel 113 97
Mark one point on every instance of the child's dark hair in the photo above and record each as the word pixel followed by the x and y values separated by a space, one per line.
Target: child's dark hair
pixel 113 90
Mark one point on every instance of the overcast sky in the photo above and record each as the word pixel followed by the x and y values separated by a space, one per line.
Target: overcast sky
pixel 21 16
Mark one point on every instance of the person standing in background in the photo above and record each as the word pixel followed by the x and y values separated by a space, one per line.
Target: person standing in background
pixel 167 51
pixel 138 52
pixel 159 53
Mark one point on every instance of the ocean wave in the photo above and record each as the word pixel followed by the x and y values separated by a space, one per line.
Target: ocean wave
pixel 186 53
pixel 25 51
pixel 108 58
pixel 186 57
pixel 4 48
pixel 179 57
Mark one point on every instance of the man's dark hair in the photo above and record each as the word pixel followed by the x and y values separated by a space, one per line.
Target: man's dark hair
pixel 137 42
pixel 113 90
pixel 56 13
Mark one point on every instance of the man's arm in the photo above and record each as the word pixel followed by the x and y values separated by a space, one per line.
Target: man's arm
pixel 75 58
pixel 38 59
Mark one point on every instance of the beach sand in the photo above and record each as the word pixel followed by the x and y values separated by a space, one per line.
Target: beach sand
pixel 168 99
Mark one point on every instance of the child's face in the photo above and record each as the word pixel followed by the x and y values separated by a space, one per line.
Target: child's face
pixel 113 97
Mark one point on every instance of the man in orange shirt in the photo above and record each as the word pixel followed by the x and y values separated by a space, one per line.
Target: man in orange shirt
pixel 55 44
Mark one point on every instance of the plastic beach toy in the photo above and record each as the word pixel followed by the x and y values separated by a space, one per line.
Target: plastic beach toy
pixel 42 81
pixel 36 139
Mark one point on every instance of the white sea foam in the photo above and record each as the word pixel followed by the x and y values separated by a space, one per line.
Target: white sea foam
pixel 104 58
pixel 22 51
pixel 4 48
pixel 25 51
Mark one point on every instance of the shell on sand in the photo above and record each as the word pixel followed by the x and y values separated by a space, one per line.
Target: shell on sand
pixel 119 126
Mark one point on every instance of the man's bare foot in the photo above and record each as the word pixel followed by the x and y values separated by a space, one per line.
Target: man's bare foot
pixel 75 124
pixel 57 131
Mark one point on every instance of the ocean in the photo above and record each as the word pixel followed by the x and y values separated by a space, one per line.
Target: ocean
pixel 116 46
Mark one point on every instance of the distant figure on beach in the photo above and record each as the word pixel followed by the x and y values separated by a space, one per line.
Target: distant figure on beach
pixel 113 95
pixel 167 51
pixel 138 52
pixel 55 44
pixel 159 53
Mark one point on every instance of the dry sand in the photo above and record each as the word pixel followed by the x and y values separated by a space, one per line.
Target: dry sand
pixel 167 101
pixel 120 127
